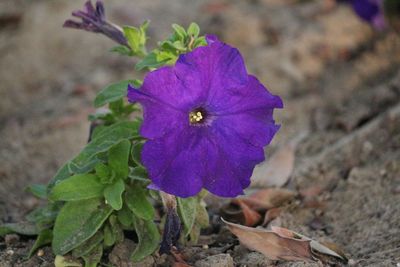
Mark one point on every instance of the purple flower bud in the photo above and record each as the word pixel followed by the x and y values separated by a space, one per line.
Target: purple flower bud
pixel 93 19
pixel 172 231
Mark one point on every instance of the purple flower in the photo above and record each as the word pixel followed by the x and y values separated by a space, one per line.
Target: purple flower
pixel 206 121
pixel 370 11
pixel 93 19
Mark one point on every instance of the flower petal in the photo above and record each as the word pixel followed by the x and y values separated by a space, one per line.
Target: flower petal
pixel 158 117
pixel 233 165
pixel 252 96
pixel 211 69
pixel 175 163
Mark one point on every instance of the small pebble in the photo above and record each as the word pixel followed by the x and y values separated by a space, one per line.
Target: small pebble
pixel 351 262
pixel 219 260
pixel 40 253
pixel 10 252
pixel 205 246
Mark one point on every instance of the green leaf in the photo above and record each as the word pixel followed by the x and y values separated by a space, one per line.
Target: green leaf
pixel 112 93
pixel 117 107
pixel 202 218
pixel 77 222
pixel 43 238
pixel 107 138
pixel 201 41
pixel 105 174
pixel 109 237
pixel 44 217
pixel 112 232
pixel 62 174
pixel 137 38
pixel 61 261
pixel 77 187
pixel 137 153
pixel 38 190
pixel 113 194
pixel 138 173
pixel 149 239
pixel 187 208
pixel 87 246
pixel 23 228
pixel 150 61
pixel 136 199
pixel 122 50
pixel 193 30
pixel 125 216
pixel 118 157
pixel 94 257
pixel 179 31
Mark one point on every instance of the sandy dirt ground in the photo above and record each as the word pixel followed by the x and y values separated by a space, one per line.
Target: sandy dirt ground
pixel 340 82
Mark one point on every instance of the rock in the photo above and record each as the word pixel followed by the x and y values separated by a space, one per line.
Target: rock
pixel 254 259
pixel 11 239
pixel 219 260
pixel 121 253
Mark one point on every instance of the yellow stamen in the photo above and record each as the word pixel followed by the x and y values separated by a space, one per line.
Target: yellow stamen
pixel 195 116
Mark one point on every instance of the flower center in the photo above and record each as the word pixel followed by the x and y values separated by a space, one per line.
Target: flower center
pixel 197 116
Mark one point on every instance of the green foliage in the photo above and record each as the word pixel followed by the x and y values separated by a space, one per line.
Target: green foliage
pixel 136 200
pixel 149 238
pixel 111 93
pixel 168 51
pixel 38 190
pixel 137 38
pixel 77 187
pixel 118 157
pixel 93 258
pixel 43 239
pixel 113 194
pixel 187 211
pixel 89 245
pixel 77 222
pixel 107 138
pixel 23 228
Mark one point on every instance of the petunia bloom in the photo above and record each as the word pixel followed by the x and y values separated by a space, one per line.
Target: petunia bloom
pixel 206 120
pixel 93 19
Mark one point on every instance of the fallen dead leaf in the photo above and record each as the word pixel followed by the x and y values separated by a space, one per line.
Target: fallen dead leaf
pixel 271 244
pixel 271 215
pixel 276 171
pixel 284 244
pixel 268 198
pixel 251 217
pixel 179 259
pixel 317 248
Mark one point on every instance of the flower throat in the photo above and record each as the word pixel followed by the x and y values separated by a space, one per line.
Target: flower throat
pixel 197 116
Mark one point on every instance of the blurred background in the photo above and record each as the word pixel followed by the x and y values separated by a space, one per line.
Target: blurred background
pixel 338 76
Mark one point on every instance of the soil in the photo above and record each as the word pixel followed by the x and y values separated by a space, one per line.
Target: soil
pixel 339 79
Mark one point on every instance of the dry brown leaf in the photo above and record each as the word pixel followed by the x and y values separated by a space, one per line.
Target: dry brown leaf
pixel 251 217
pixel 271 215
pixel 268 198
pixel 271 244
pixel 317 248
pixel 276 171
pixel 179 259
